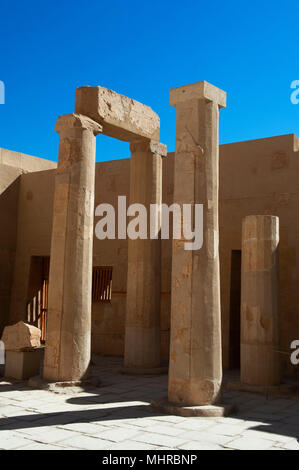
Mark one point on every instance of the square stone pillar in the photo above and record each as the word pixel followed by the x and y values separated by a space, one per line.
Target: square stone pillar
pixel 142 335
pixel 195 372
pixel 260 362
pixel 67 353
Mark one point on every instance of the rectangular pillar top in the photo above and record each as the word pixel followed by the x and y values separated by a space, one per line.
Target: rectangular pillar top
pixel 121 117
pixel 197 91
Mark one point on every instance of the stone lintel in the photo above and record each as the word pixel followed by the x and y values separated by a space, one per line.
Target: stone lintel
pixel 149 145
pixel 197 91
pixel 69 121
pixel 121 117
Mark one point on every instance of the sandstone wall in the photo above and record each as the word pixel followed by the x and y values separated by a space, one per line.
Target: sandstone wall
pixel 256 177
pixel 261 177
pixel 12 166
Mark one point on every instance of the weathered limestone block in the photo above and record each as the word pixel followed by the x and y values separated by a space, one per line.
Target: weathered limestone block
pixel 195 372
pixel 22 365
pixel 21 336
pixel 67 354
pixel 120 116
pixel 260 363
pixel 142 335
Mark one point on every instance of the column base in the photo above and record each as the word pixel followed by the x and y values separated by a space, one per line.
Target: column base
pixel 57 387
pixel 144 371
pixel 282 390
pixel 215 411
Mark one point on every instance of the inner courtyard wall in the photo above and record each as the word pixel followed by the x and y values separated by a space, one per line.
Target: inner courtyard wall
pixel 12 166
pixel 260 177
pixel 256 177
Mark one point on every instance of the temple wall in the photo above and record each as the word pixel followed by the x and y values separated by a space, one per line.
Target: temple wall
pixel 261 177
pixel 33 233
pixel 12 166
pixel 9 191
pixel 256 177
pixel 108 319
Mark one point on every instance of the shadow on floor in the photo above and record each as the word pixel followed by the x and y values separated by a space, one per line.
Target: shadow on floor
pixel 116 389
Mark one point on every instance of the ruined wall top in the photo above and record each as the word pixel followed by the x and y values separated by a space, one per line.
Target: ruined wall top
pixel 120 116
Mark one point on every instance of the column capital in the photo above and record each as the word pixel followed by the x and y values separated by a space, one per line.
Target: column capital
pixel 71 121
pixel 149 145
pixel 197 91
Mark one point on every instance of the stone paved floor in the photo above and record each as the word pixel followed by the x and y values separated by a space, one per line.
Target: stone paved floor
pixel 117 416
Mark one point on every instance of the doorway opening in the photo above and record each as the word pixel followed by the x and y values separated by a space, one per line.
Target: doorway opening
pixel 235 311
pixel 37 298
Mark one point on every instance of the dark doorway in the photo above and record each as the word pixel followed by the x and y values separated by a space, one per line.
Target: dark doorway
pixel 37 300
pixel 235 313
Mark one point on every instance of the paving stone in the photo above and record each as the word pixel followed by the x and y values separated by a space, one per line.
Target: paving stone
pixel 52 435
pixel 227 429
pixel 107 419
pixel 206 437
pixel 118 435
pixel 167 430
pixel 270 436
pixel 193 445
pixel 86 443
pixel 245 443
pixel 192 424
pixel 131 445
pixel 169 418
pixel 13 442
pixel 84 428
pixel 156 439
pixel 291 445
pixel 40 446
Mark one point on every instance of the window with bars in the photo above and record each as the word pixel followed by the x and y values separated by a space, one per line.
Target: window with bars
pixel 102 284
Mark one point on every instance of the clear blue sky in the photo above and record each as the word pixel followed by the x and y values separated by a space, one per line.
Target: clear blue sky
pixel 142 49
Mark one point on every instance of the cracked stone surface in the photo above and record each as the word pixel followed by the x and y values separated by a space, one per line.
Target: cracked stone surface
pixel 116 415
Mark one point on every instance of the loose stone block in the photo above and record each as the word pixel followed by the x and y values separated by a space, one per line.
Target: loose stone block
pixel 22 365
pixel 120 116
pixel 21 336
pixel 260 363
pixel 195 372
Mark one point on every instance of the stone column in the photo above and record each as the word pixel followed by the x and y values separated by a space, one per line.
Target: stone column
pixel 142 336
pixel 195 372
pixel 67 352
pixel 260 301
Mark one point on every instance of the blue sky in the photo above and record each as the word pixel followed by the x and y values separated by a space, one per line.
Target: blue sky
pixel 142 49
